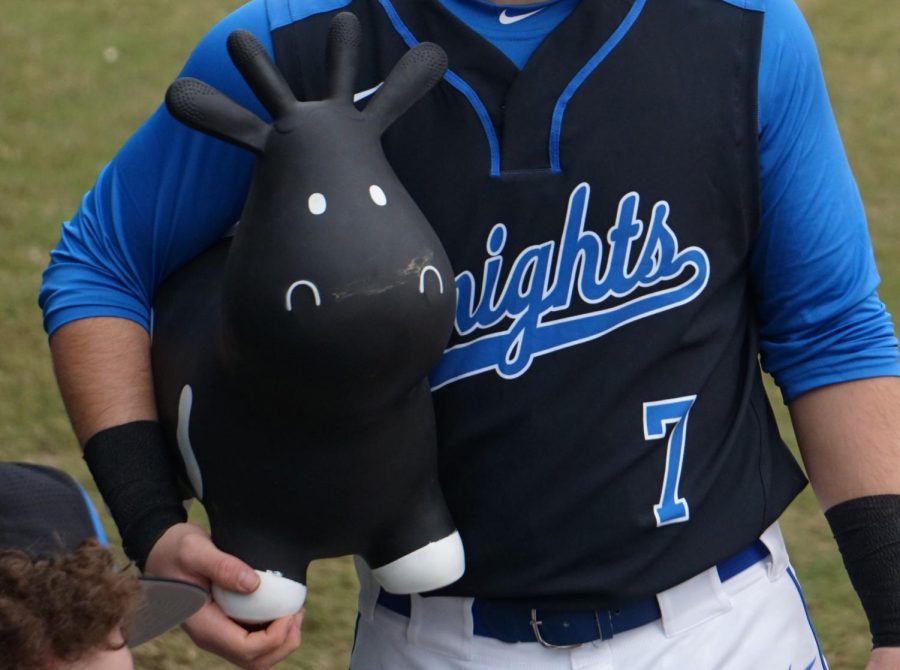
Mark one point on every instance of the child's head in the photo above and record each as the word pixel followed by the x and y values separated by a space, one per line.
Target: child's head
pixel 63 604
pixel 63 609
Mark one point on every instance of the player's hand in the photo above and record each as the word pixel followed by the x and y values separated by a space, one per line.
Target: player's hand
pixel 884 658
pixel 185 551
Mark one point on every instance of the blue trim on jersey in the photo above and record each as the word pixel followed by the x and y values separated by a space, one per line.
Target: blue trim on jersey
pixel 584 73
pixel 99 533
pixel 285 12
pixel 812 628
pixel 456 82
pixel 490 133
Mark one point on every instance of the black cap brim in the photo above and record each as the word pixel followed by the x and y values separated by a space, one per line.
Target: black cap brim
pixel 166 603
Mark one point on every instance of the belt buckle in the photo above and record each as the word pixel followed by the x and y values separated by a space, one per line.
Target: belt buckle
pixel 536 627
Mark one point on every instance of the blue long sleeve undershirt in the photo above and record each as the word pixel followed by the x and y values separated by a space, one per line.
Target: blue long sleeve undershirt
pixel 171 192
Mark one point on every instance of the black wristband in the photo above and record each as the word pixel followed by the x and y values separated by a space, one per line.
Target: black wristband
pixel 867 531
pixel 137 479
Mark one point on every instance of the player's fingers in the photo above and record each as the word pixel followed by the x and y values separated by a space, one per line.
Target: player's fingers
pixel 296 634
pixel 299 619
pixel 201 556
pixel 212 630
pixel 288 646
pixel 295 637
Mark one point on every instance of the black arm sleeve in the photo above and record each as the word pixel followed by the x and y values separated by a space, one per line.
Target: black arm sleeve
pixel 137 478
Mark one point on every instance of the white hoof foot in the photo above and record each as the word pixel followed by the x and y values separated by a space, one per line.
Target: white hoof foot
pixel 275 597
pixel 435 565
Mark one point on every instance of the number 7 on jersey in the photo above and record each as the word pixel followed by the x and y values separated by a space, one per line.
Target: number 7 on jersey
pixel 658 416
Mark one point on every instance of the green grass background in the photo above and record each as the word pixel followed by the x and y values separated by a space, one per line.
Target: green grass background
pixel 77 77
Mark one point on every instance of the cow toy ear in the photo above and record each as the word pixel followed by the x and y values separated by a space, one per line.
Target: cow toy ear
pixel 342 56
pixel 412 77
pixel 265 80
pixel 203 108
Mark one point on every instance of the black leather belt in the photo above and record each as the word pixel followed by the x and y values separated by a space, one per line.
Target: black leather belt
pixel 570 628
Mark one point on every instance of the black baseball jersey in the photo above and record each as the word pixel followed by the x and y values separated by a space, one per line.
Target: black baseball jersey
pixel 603 429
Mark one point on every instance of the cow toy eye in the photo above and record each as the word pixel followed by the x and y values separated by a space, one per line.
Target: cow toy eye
pixel 317 203
pixel 377 195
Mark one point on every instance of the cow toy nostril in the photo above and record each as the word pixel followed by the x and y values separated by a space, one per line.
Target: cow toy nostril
pixel 317 297
pixel 430 270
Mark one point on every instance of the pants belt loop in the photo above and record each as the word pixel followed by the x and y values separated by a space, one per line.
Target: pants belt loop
pixel 416 615
pixel 442 624
pixel 368 589
pixel 774 542
pixel 692 602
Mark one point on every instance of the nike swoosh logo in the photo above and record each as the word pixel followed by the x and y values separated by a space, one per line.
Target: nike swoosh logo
pixel 362 95
pixel 808 667
pixel 507 20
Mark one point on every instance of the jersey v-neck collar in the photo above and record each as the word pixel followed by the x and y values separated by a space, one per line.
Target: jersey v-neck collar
pixel 521 111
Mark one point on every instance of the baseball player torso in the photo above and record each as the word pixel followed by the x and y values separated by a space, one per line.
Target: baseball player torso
pixel 603 428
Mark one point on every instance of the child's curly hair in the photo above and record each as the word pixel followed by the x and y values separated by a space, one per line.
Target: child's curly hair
pixel 66 606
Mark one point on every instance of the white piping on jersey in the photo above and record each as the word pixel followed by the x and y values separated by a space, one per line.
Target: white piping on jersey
pixel 641 271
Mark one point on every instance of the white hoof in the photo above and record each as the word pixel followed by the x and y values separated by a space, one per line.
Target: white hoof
pixel 435 565
pixel 275 597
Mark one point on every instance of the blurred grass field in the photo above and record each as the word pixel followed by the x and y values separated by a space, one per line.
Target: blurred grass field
pixel 76 78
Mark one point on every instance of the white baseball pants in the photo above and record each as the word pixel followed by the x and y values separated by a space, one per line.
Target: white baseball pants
pixel 756 620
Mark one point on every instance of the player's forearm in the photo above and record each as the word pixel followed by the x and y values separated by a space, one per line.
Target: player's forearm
pixel 104 373
pixel 849 436
pixel 103 370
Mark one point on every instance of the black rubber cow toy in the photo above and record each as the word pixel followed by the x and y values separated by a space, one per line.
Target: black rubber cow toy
pixel 291 361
